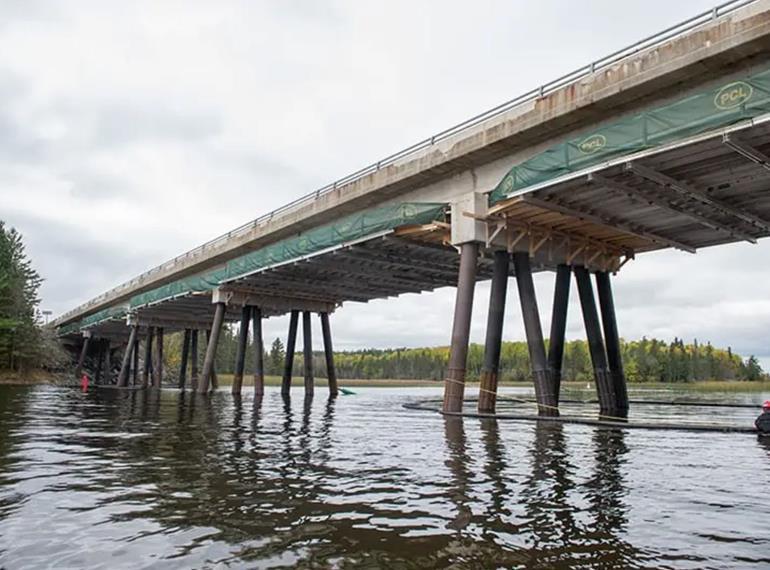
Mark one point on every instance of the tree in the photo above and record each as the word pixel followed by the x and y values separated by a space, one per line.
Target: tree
pixel 20 337
pixel 752 370
pixel 276 357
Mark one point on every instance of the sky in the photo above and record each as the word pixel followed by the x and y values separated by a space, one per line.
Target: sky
pixel 131 132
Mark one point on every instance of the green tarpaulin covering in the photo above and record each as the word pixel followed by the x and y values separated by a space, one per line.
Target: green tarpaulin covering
pixel 347 229
pixel 726 104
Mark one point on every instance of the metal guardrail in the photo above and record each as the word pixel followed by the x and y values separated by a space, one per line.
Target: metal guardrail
pixel 572 77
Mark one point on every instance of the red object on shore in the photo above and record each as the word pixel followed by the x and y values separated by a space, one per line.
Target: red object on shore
pixel 84 383
pixel 766 405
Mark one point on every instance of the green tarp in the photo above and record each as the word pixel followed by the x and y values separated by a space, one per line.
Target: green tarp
pixel 726 104
pixel 347 229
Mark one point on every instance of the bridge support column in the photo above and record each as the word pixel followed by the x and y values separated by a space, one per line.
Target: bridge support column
pixel 123 374
pixel 158 364
pixel 492 345
pixel 185 358
pixel 612 342
pixel 331 371
pixel 307 349
pixel 240 354
pixel 82 357
pixel 108 362
pixel 558 328
pixel 211 349
pixel 134 361
pixel 291 343
pixel 147 357
pixel 194 355
pixel 596 347
pixel 99 363
pixel 454 383
pixel 259 351
pixel 546 398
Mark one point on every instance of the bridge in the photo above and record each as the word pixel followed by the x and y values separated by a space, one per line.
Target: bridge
pixel 663 144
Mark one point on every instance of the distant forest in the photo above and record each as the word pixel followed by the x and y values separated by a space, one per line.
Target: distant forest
pixel 646 360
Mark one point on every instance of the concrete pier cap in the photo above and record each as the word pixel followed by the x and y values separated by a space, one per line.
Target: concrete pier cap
pixel 468 213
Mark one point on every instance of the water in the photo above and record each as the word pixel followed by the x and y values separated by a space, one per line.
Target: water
pixel 150 480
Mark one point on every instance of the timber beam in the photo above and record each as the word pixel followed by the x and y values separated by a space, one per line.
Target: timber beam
pixel 600 219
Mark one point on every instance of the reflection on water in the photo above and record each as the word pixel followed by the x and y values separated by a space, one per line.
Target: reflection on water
pixel 143 479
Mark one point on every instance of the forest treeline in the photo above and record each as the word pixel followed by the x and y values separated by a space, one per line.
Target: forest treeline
pixel 645 360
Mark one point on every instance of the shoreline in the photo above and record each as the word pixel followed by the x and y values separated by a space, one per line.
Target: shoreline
pixel 37 377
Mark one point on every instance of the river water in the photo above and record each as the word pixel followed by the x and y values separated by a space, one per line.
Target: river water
pixel 163 480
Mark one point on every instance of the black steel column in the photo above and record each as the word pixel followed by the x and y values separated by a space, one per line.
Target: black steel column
pixel 185 358
pixel 612 342
pixel 331 371
pixel 99 363
pixel 546 398
pixel 240 355
pixel 147 357
pixel 454 384
pixel 211 348
pixel 291 343
pixel 108 362
pixel 135 361
pixel 158 369
pixel 194 355
pixel 214 379
pixel 492 345
pixel 558 328
pixel 604 387
pixel 123 374
pixel 259 351
pixel 82 357
pixel 307 349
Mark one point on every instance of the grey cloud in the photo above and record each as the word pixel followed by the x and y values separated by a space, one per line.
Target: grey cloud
pixel 122 124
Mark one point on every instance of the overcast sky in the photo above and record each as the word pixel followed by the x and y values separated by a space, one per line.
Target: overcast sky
pixel 133 131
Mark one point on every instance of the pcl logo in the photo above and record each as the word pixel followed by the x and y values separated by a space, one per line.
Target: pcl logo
pixel 592 144
pixel 733 95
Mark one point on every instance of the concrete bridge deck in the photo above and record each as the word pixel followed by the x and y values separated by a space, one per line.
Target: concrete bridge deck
pixel 662 145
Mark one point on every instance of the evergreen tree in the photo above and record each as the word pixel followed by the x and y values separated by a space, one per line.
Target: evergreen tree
pixel 20 337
